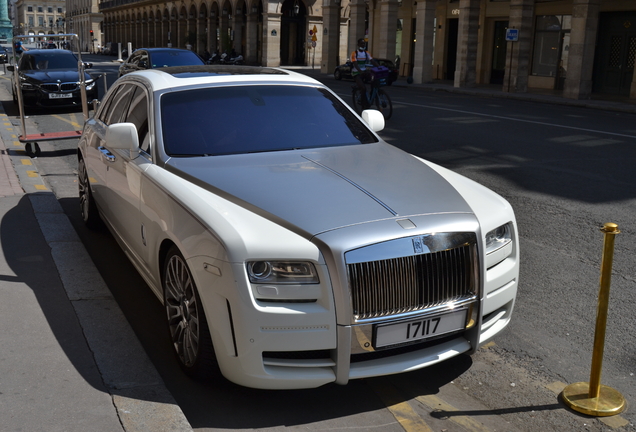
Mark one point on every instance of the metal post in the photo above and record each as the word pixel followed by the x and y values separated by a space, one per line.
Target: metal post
pixel 593 398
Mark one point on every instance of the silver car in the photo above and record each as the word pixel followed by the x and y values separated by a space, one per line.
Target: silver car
pixel 290 245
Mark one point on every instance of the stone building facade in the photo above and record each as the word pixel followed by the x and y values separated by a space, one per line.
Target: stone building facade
pixel 577 46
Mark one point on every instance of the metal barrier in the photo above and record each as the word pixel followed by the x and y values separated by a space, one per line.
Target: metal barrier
pixel 593 398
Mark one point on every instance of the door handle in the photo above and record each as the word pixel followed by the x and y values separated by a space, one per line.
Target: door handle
pixel 106 153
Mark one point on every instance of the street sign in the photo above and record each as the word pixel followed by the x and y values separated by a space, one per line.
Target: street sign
pixel 512 35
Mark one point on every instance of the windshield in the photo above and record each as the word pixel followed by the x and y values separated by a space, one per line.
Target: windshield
pixel 175 58
pixel 249 119
pixel 48 61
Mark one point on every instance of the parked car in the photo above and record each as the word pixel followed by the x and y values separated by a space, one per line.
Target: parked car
pixel 290 245
pixel 151 58
pixel 344 70
pixel 4 55
pixel 50 78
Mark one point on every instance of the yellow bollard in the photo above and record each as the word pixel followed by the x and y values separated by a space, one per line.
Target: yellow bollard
pixel 593 398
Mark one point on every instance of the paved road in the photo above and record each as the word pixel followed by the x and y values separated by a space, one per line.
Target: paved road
pixel 554 164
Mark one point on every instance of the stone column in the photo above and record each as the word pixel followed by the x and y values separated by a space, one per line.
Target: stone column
pixel 212 26
pixel 518 53
pixel 330 36
pixel 467 41
pixel 251 39
pixel 356 23
pixel 271 39
pixel 578 82
pixel 424 31
pixel 238 32
pixel 632 91
pixel 385 47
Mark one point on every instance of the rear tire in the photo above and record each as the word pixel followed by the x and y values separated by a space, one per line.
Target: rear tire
pixel 187 325
pixel 88 208
pixel 337 74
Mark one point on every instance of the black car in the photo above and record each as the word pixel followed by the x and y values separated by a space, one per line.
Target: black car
pixel 49 78
pixel 152 58
pixel 344 70
pixel 4 55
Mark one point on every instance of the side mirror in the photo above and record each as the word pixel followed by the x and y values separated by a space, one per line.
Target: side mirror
pixel 123 136
pixel 88 65
pixel 11 68
pixel 374 119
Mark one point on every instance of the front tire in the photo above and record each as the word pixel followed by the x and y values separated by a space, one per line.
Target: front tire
pixel 187 325
pixel 337 74
pixel 384 104
pixel 357 100
pixel 88 208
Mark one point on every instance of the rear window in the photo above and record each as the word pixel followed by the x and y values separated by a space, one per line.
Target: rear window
pixel 260 118
pixel 175 58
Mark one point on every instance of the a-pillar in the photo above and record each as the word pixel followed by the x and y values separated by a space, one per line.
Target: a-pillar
pixel 578 82
pixel 518 53
pixel 271 37
pixel 385 47
pixel 424 31
pixel 357 24
pixel 467 41
pixel 330 36
pixel 251 38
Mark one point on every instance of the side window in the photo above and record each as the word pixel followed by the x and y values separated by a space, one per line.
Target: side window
pixel 138 115
pixel 119 106
pixel 105 104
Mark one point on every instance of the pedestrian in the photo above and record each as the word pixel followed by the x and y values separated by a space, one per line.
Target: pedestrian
pixel 360 59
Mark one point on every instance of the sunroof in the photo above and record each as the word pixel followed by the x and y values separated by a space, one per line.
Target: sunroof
pixel 211 70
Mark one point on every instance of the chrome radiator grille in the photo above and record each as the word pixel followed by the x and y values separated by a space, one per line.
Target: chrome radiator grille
pixel 55 87
pixel 399 285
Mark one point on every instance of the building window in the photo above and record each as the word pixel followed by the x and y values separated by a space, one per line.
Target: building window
pixel 59 10
pixel 30 21
pixel 551 45
pixel 40 9
pixel 41 21
pixel 29 8
pixel 50 9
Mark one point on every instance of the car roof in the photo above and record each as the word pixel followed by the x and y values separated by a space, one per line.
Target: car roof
pixel 185 76
pixel 49 51
pixel 151 50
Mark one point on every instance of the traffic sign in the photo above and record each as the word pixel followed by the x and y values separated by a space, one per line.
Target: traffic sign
pixel 512 35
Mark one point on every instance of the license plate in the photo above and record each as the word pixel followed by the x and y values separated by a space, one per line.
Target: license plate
pixel 60 95
pixel 423 328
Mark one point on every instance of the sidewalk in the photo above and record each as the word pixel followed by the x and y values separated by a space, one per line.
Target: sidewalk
pixel 69 360
pixel 598 101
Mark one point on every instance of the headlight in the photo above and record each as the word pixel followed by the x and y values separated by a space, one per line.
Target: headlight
pixel 498 245
pixel 89 84
pixel 281 272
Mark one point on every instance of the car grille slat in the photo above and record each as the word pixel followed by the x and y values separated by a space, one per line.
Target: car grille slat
pixel 56 87
pixel 406 284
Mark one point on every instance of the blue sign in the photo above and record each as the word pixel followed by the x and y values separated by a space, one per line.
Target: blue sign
pixel 512 35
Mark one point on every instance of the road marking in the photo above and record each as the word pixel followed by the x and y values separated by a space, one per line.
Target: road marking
pixel 402 411
pixel 435 403
pixel 72 121
pixel 41 187
pixel 31 173
pixel 515 119
pixel 26 162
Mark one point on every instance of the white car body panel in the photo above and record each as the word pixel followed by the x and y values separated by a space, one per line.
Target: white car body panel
pixel 150 202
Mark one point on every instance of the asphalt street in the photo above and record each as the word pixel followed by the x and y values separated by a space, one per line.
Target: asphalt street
pixel 71 362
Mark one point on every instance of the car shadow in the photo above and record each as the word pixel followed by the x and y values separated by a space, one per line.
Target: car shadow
pixel 222 404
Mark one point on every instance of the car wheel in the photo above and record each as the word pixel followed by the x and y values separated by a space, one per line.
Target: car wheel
pixel 88 208
pixel 337 74
pixel 187 324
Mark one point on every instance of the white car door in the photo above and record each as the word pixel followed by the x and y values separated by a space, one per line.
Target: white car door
pixel 123 176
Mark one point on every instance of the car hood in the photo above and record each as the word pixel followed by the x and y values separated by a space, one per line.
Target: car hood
pixel 320 190
pixel 54 75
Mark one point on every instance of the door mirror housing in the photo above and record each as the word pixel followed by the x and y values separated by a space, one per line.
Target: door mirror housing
pixel 123 136
pixel 374 119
